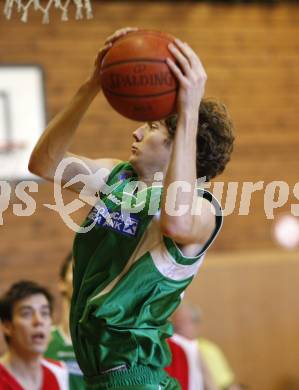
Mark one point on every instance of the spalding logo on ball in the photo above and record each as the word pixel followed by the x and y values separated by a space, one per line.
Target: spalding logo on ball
pixel 136 79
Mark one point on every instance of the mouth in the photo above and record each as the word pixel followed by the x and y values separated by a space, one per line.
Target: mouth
pixel 38 337
pixel 134 149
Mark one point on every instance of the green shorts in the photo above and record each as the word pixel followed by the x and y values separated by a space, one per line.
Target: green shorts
pixel 169 384
pixel 135 378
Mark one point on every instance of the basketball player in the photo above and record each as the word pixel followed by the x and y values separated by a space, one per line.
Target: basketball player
pixel 60 346
pixel 26 316
pixel 130 271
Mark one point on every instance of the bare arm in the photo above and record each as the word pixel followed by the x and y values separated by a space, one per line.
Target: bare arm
pixel 53 146
pixel 54 143
pixel 187 228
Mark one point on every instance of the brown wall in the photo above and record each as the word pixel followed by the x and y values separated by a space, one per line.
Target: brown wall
pixel 251 309
pixel 252 59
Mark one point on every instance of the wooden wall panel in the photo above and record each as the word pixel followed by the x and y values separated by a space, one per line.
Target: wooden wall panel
pixel 251 56
pixel 251 310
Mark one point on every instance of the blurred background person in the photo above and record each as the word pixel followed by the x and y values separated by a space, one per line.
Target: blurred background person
pixel 60 346
pixel 26 318
pixel 188 366
pixel 186 321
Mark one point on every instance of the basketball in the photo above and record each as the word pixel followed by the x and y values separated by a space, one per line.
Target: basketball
pixel 136 79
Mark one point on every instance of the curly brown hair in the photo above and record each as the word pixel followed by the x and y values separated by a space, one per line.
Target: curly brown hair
pixel 215 137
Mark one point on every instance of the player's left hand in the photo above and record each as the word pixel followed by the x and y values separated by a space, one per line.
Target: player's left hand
pixel 119 33
pixel 191 76
pixel 103 51
pixel 95 78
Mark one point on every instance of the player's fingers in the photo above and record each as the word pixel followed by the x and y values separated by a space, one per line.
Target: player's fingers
pixel 119 33
pixel 102 53
pixel 176 70
pixel 180 57
pixel 189 53
pixel 186 50
pixel 130 29
pixel 114 36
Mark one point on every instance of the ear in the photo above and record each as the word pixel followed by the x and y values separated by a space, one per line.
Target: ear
pixel 6 328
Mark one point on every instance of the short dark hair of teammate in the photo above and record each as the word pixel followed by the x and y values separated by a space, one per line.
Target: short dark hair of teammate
pixel 18 292
pixel 215 137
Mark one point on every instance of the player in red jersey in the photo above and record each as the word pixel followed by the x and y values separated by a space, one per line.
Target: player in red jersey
pixel 188 366
pixel 26 316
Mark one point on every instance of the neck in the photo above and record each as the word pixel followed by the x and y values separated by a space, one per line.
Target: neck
pixel 25 368
pixel 148 180
pixel 23 364
pixel 150 177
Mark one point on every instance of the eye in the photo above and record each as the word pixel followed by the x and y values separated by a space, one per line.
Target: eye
pixel 153 125
pixel 25 314
pixel 46 314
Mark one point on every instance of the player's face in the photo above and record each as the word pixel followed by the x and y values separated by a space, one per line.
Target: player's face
pixel 30 327
pixel 151 146
pixel 184 323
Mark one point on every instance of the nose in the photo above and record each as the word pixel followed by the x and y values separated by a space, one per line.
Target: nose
pixel 138 134
pixel 37 319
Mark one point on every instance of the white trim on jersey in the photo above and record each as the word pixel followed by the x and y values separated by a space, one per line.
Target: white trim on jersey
pixel 169 268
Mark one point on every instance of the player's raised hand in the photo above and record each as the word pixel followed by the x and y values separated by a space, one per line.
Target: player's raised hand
pixel 120 33
pixel 190 74
pixel 95 77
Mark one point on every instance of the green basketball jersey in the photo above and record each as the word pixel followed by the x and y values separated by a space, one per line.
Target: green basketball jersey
pixel 128 280
pixel 62 349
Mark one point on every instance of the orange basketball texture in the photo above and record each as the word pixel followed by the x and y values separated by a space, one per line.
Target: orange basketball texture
pixel 136 79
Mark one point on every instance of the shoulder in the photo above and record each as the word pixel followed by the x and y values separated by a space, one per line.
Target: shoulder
pixel 55 374
pixel 7 380
pixel 108 163
pixel 207 213
pixel 207 222
pixel 121 170
pixel 208 347
pixel 52 364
